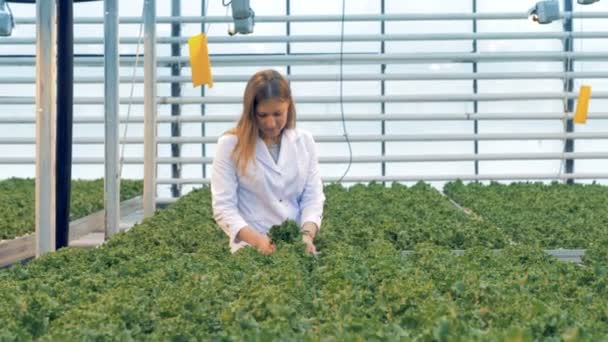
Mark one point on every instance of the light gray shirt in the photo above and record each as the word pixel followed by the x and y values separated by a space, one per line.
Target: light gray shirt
pixel 274 150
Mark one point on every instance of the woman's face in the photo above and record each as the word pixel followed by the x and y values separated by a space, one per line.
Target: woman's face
pixel 271 117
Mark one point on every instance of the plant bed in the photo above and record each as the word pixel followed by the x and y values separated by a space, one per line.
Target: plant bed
pixel 173 277
pixel 81 231
pixel 17 202
pixel 550 216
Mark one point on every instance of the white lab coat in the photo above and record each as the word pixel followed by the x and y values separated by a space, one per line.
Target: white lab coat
pixel 272 192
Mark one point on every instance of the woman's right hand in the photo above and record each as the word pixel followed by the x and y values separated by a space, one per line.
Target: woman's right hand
pixel 265 245
pixel 260 241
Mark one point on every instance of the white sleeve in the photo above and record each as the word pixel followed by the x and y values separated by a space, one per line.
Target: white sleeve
pixel 224 185
pixel 312 198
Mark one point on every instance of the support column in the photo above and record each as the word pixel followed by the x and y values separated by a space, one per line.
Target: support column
pixel 288 32
pixel 45 126
pixel 176 91
pixel 475 91
pixel 203 107
pixel 569 87
pixel 65 111
pixel 383 86
pixel 149 107
pixel 112 109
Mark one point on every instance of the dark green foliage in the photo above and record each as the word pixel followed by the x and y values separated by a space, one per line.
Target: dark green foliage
pixel 288 232
pixel 404 216
pixel 551 216
pixel 173 278
pixel 17 202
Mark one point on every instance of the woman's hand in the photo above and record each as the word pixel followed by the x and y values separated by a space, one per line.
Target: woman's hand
pixel 260 241
pixel 265 245
pixel 310 246
pixel 309 230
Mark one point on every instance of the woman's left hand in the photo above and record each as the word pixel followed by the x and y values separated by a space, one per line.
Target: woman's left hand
pixel 310 246
pixel 309 230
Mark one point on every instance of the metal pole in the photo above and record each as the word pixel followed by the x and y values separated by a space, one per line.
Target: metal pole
pixel 112 107
pixel 569 86
pixel 176 91
pixel 383 87
pixel 475 103
pixel 203 106
pixel 149 107
pixel 45 120
pixel 288 28
pixel 65 110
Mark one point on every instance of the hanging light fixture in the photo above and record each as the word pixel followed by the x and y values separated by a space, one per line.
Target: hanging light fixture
pixel 7 22
pixel 243 17
pixel 544 12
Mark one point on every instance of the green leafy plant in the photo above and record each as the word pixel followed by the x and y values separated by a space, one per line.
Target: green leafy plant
pixel 17 202
pixel 287 232
pixel 548 215
pixel 173 278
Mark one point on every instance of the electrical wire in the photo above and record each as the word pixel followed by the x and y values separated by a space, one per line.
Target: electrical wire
pixel 206 31
pixel 341 82
pixel 137 54
pixel 227 23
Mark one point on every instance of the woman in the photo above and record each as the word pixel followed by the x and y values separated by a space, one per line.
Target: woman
pixel 265 170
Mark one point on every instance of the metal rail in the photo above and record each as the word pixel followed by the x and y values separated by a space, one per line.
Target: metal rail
pixel 448 157
pixel 416 178
pixel 337 38
pixel 329 18
pixel 527 96
pixel 566 255
pixel 355 58
pixel 429 76
pixel 352 138
pixel 329 117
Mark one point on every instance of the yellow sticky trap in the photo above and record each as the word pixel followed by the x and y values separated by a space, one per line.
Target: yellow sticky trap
pixel 199 61
pixel 582 105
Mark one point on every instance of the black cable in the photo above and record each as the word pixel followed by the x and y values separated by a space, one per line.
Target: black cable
pixel 341 80
pixel 226 4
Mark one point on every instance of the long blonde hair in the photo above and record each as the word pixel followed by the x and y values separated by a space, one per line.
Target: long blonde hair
pixel 264 85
